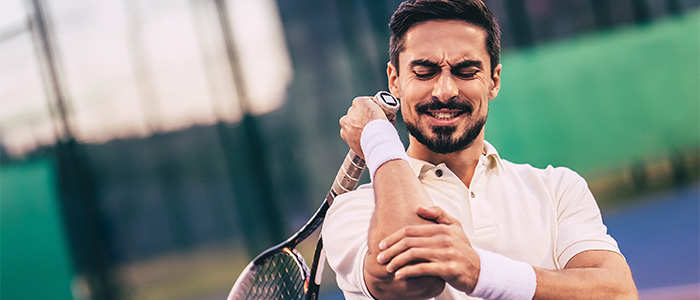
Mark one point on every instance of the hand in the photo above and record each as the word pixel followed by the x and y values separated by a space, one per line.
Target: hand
pixel 362 111
pixel 440 249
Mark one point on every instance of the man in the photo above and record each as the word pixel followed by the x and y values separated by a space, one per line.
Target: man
pixel 455 221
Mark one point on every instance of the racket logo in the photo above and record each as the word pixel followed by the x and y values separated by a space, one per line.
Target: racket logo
pixel 387 98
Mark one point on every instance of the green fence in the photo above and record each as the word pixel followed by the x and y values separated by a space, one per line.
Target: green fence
pixel 34 259
pixel 601 100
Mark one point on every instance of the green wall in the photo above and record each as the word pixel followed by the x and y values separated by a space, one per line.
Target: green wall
pixel 601 100
pixel 34 260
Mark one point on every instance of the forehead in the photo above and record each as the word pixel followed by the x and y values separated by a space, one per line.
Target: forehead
pixel 448 41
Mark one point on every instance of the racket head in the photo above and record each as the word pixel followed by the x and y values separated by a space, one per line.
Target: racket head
pixel 279 273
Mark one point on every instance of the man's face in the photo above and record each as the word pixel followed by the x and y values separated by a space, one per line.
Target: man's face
pixel 444 82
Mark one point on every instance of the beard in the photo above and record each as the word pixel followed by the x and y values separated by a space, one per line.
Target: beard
pixel 443 139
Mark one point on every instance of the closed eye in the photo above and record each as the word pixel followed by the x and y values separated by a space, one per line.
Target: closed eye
pixel 424 75
pixel 467 69
pixel 424 69
pixel 425 72
pixel 465 74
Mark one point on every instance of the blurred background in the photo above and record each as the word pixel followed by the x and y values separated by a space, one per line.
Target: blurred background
pixel 150 149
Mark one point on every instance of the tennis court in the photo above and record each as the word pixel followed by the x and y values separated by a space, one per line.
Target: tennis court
pixel 660 239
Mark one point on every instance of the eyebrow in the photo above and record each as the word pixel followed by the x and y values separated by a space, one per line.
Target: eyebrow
pixel 468 63
pixel 423 63
pixel 431 64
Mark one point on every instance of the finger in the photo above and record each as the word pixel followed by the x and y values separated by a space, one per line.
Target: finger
pixel 410 231
pixel 361 101
pixel 432 236
pixel 416 254
pixel 369 108
pixel 405 244
pixel 436 214
pixel 436 269
pixel 461 277
pixel 437 248
pixel 342 122
pixel 388 253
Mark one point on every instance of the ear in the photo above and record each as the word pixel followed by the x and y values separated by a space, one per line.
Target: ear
pixel 393 75
pixel 496 80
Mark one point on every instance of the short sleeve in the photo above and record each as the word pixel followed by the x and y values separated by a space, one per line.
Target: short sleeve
pixel 345 231
pixel 580 225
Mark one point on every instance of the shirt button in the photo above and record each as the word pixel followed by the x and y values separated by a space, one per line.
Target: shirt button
pixel 438 173
pixel 472 194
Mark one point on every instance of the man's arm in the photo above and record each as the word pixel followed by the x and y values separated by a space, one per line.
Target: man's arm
pixel 588 275
pixel 398 194
pixel 592 274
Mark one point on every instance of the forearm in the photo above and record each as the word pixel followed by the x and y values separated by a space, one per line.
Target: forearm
pixel 589 275
pixel 398 194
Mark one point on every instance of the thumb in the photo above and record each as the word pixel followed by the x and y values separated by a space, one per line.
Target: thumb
pixel 436 214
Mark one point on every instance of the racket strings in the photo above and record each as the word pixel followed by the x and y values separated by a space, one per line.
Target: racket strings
pixel 279 277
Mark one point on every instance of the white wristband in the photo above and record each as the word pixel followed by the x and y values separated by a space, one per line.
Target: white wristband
pixel 380 143
pixel 504 278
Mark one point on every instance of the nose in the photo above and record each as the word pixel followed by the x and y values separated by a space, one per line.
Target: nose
pixel 445 88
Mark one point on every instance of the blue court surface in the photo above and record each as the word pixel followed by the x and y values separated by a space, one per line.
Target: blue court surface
pixel 660 238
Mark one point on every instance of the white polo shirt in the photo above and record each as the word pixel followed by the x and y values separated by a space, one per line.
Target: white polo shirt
pixel 539 216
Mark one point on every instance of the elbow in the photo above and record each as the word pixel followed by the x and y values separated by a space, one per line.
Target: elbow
pixel 423 287
pixel 630 292
pixel 627 289
pixel 389 288
pixel 627 295
pixel 620 290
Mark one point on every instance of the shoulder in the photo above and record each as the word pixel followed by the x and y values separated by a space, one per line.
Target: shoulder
pixel 558 181
pixel 350 214
pixel 362 192
pixel 549 173
pixel 529 173
pixel 359 200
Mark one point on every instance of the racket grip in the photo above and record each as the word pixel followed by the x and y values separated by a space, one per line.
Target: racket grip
pixel 353 166
pixel 348 176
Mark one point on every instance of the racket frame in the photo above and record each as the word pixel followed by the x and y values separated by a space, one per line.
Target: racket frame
pixel 345 180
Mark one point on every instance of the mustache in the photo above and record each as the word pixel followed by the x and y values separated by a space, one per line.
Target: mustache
pixel 450 104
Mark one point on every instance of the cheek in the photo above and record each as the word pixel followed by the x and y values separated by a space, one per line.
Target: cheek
pixel 416 88
pixel 475 87
pixel 477 92
pixel 407 110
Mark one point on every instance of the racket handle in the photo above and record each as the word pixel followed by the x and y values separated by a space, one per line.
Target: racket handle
pixel 353 166
pixel 348 176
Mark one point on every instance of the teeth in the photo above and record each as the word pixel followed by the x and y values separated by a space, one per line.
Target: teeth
pixel 444 115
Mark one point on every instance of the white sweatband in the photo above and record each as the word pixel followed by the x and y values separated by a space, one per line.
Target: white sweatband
pixel 504 278
pixel 380 143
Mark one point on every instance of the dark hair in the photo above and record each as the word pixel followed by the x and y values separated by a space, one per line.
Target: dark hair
pixel 413 12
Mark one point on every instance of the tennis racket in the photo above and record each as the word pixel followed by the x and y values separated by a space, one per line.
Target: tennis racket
pixel 280 272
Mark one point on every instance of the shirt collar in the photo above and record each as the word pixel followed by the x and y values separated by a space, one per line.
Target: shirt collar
pixel 493 156
pixel 420 166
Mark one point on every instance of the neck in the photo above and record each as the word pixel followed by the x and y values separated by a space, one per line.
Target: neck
pixel 462 162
